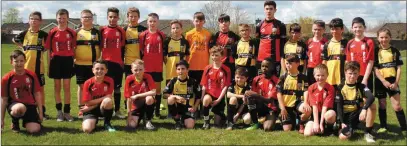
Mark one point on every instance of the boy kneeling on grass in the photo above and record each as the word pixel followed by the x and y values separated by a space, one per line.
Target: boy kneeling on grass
pixel 182 92
pixel 349 104
pixel 97 98
pixel 21 94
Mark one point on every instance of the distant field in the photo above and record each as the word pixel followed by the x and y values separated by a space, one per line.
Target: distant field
pixel 65 133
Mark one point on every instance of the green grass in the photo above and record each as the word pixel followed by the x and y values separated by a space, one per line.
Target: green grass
pixel 66 133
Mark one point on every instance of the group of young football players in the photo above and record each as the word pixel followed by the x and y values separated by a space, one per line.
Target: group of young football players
pixel 324 86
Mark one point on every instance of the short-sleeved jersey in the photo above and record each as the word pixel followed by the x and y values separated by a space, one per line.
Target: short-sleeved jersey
pixel 214 80
pixel 292 88
pixel 361 51
pixel 188 89
pixel 314 52
pixel 334 55
pixel 246 52
pixel 239 90
pixel 93 90
pixel 33 46
pixel 151 46
pixel 272 36
pixel 133 87
pixel 61 42
pixel 20 88
pixel 174 50
pixel 266 87
pixel 352 95
pixel 225 41
pixel 132 48
pixel 199 42
pixel 387 61
pixel 87 46
pixel 324 97
pixel 298 48
pixel 113 41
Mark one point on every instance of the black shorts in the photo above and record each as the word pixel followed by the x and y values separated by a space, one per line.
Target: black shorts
pixel 252 71
pixel 369 81
pixel 30 116
pixel 276 64
pixel 352 118
pixel 183 111
pixel 93 114
pixel 83 73
pixel 61 67
pixel 382 92
pixel 127 70
pixel 157 76
pixel 291 117
pixel 41 79
pixel 196 74
pixel 220 107
pixel 264 111
pixel 115 71
pixel 310 75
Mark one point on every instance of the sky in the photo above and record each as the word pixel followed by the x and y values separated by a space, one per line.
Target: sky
pixel 372 11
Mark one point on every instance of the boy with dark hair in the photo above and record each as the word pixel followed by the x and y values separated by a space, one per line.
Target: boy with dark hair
pixel 315 47
pixel 139 90
pixel 351 95
pixel 132 47
pixel 214 82
pixel 262 99
pixel 272 35
pixel 61 44
pixel 292 95
pixel 151 46
pixel 294 46
pixel 235 95
pixel 32 42
pixel 333 54
pixel 87 51
pixel 388 72
pixel 199 39
pixel 321 96
pixel 246 50
pixel 182 92
pixel 20 94
pixel 225 39
pixel 113 40
pixel 97 98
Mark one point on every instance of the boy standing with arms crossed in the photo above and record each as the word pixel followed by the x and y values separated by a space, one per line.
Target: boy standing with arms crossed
pixel 113 41
pixel 151 46
pixel 272 35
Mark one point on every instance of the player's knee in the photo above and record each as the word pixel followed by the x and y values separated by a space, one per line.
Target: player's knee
pixel 207 100
pixel 189 123
pixel 132 124
pixel 107 103
pixel 330 116
pixel 247 119
pixel 150 100
pixel 33 127
pixel 287 127
pixel 382 103
pixel 171 100
pixel 343 137
pixel 396 106
pixel 18 110
pixel 373 107
pixel 233 101
pixel 87 126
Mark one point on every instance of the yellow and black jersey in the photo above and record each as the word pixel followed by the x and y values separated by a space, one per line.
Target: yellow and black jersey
pixel 87 46
pixel 132 48
pixel 352 96
pixel 188 88
pixel 33 45
pixel 246 52
pixel 174 50
pixel 292 88
pixel 334 55
pixel 298 48
pixel 236 89
pixel 387 61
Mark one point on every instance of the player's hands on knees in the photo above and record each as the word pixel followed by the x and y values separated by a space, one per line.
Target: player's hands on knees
pixel 180 99
pixel 321 128
pixel 306 107
pixel 283 114
pixel 248 94
pixel 362 115
pixel 134 97
pixel 191 109
pixel 315 127
pixel 84 108
pixel 235 117
pixel 343 126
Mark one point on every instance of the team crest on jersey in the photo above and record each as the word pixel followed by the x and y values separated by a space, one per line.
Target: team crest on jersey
pixel 299 49
pixel 220 74
pixel 322 47
pixel 324 95
pixel 117 33
pixel 274 30
pixel 263 30
pixel 158 39
pixel 270 86
pixel 260 83
pixel 105 88
pixel 68 36
pixel 352 46
pixel 27 80
pixel 310 46
pixel 299 85
pixel 81 36
pixel 363 47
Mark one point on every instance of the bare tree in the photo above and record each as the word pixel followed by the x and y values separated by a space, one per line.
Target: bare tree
pixel 238 16
pixel 123 15
pixel 12 15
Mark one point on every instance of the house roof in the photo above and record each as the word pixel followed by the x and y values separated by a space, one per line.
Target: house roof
pixel 46 22
pixel 8 27
pixel 165 25
pixel 396 30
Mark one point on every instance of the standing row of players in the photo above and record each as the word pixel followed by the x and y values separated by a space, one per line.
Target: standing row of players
pixel 121 47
